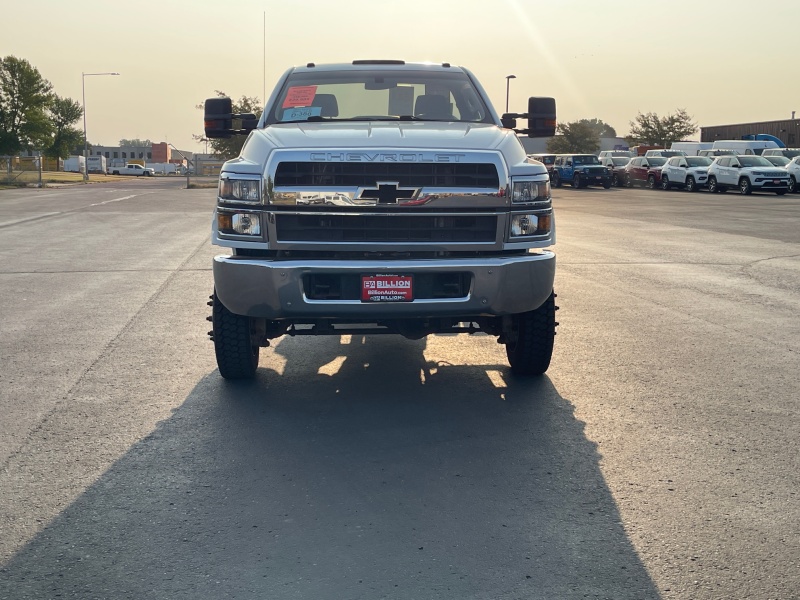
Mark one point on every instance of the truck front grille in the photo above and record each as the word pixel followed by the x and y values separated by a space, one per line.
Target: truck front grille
pixel 385 228
pixel 444 175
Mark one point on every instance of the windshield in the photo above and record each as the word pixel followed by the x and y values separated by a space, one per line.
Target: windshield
pixel 698 161
pixel 620 162
pixel 378 95
pixel 791 153
pixel 585 160
pixel 754 161
pixel 547 159
pixel 656 161
pixel 778 161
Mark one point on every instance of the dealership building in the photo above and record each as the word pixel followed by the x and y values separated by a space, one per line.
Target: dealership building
pixel 788 131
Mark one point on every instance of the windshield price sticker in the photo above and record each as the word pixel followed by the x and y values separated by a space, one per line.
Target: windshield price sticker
pixel 300 95
pixel 386 288
pixel 301 114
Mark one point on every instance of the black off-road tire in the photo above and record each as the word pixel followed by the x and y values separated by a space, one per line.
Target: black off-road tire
pixel 576 182
pixel 237 356
pixel 530 354
pixel 556 179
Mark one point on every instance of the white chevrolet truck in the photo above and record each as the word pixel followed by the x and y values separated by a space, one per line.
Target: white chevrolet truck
pixel 382 197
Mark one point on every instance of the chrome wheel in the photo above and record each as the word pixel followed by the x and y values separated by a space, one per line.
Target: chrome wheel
pixel 691 185
pixel 744 186
pixel 712 185
pixel 665 183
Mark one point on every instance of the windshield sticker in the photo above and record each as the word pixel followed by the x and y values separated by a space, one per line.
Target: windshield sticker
pixel 300 95
pixel 301 114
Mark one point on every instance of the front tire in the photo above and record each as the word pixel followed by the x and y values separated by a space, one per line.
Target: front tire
pixel 665 185
pixel 556 181
pixel 744 186
pixel 535 330
pixel 792 185
pixel 651 182
pixel 237 356
pixel 713 186
pixel 691 184
pixel 576 181
pixel 615 181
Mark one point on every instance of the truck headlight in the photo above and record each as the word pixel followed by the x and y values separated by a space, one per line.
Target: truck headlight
pixel 523 191
pixel 528 224
pixel 238 189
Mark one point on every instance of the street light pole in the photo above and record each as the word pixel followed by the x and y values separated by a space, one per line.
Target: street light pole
pixel 508 85
pixel 85 140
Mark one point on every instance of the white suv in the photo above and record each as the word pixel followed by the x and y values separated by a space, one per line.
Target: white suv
pixel 664 153
pixel 789 153
pixel 688 172
pixel 748 173
pixel 794 174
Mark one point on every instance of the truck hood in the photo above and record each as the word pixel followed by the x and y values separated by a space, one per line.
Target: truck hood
pixel 406 134
pixel 418 136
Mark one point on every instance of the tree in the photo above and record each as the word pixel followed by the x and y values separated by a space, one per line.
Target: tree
pixel 602 129
pixel 135 142
pixel 649 128
pixel 578 137
pixel 231 147
pixel 24 98
pixel 63 113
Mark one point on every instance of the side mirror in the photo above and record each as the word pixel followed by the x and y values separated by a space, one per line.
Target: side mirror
pixel 219 122
pixel 508 121
pixel 217 117
pixel 541 117
pixel 645 165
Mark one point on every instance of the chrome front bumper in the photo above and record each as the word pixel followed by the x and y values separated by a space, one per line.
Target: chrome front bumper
pixel 274 289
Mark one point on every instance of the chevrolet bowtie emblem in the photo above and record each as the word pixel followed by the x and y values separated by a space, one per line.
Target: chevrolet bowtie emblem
pixel 387 192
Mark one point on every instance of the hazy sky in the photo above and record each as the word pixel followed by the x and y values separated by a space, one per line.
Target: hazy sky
pixel 725 61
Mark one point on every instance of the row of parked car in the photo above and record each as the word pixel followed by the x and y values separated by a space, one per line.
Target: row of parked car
pixel 775 170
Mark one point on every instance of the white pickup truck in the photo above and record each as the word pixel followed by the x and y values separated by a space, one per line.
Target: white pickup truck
pixel 437 221
pixel 132 169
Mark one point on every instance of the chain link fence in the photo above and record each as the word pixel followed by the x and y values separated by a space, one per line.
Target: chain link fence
pixel 204 174
pixel 22 170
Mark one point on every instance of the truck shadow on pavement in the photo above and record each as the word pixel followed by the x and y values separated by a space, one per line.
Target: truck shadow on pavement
pixel 362 472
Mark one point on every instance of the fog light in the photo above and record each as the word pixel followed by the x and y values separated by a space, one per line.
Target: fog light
pixel 246 224
pixel 523 225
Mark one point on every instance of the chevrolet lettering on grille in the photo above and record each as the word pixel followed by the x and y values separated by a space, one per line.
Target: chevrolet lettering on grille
pixel 395 157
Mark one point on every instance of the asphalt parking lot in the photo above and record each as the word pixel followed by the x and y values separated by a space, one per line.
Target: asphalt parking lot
pixel 658 458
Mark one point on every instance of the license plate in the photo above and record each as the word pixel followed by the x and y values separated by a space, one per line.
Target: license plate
pixel 776 181
pixel 386 288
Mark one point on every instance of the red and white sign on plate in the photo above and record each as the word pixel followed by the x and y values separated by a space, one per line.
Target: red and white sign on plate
pixel 386 288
